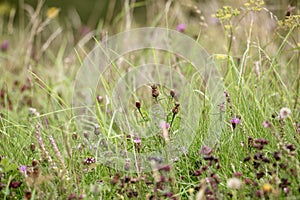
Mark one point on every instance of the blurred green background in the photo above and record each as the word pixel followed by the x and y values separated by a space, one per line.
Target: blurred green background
pixel 90 11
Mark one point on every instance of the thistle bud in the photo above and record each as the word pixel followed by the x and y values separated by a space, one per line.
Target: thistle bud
pixel 138 104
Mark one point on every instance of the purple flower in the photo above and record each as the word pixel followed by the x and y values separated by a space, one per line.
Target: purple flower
pixel 205 150
pixel 137 140
pixel 181 27
pixel 23 169
pixel 4 45
pixel 164 125
pixel 234 121
pixel 266 124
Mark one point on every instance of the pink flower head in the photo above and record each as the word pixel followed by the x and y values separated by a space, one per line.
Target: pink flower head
pixel 23 169
pixel 164 125
pixel 205 150
pixel 266 124
pixel 181 27
pixel 235 120
pixel 4 45
pixel 137 140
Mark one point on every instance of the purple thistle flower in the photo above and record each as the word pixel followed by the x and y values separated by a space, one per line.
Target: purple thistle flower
pixel 234 121
pixel 266 124
pixel 23 169
pixel 181 27
pixel 4 45
pixel 137 140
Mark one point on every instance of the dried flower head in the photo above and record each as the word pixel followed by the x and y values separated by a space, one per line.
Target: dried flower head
pixel 234 183
pixel 284 113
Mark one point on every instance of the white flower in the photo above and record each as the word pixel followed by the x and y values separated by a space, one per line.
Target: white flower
pixel 284 113
pixel 234 183
pixel 33 111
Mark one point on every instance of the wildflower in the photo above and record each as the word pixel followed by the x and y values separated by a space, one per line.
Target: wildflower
pixel 181 27
pixel 290 147
pixel 234 121
pixel 172 93
pixel 15 184
pixel 247 181
pixel 267 187
pixel 165 168
pixel 237 174
pixel 284 113
pixel 4 46
pixel 234 183
pixel 23 169
pixel 164 125
pixel 33 111
pixel 266 124
pixel 89 161
pixel 137 140
pixel 221 56
pixel 175 110
pixel 261 141
pixel 138 104
pixel 32 146
pixel 99 98
pixel 155 92
pixel 205 150
pixel 191 191
pixel 52 12
pixel 86 134
pixel 97 129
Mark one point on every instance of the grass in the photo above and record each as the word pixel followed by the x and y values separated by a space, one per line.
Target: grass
pixel 46 153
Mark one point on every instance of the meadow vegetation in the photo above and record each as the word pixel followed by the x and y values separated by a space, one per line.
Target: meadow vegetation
pixel 44 154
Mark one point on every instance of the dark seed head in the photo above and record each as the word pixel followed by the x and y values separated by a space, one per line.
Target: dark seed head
pixel 99 99
pixel 260 175
pixel 276 155
pixel 34 163
pixel 32 146
pixel 172 93
pixel 266 160
pixel 138 104
pixel 247 159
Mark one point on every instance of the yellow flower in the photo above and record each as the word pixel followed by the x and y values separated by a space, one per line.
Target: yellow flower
pixel 191 191
pixel 221 56
pixel 52 12
pixel 267 187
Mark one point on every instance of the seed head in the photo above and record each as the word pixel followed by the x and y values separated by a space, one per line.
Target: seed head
pixel 138 104
pixel 234 183
pixel 155 92
pixel 284 113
